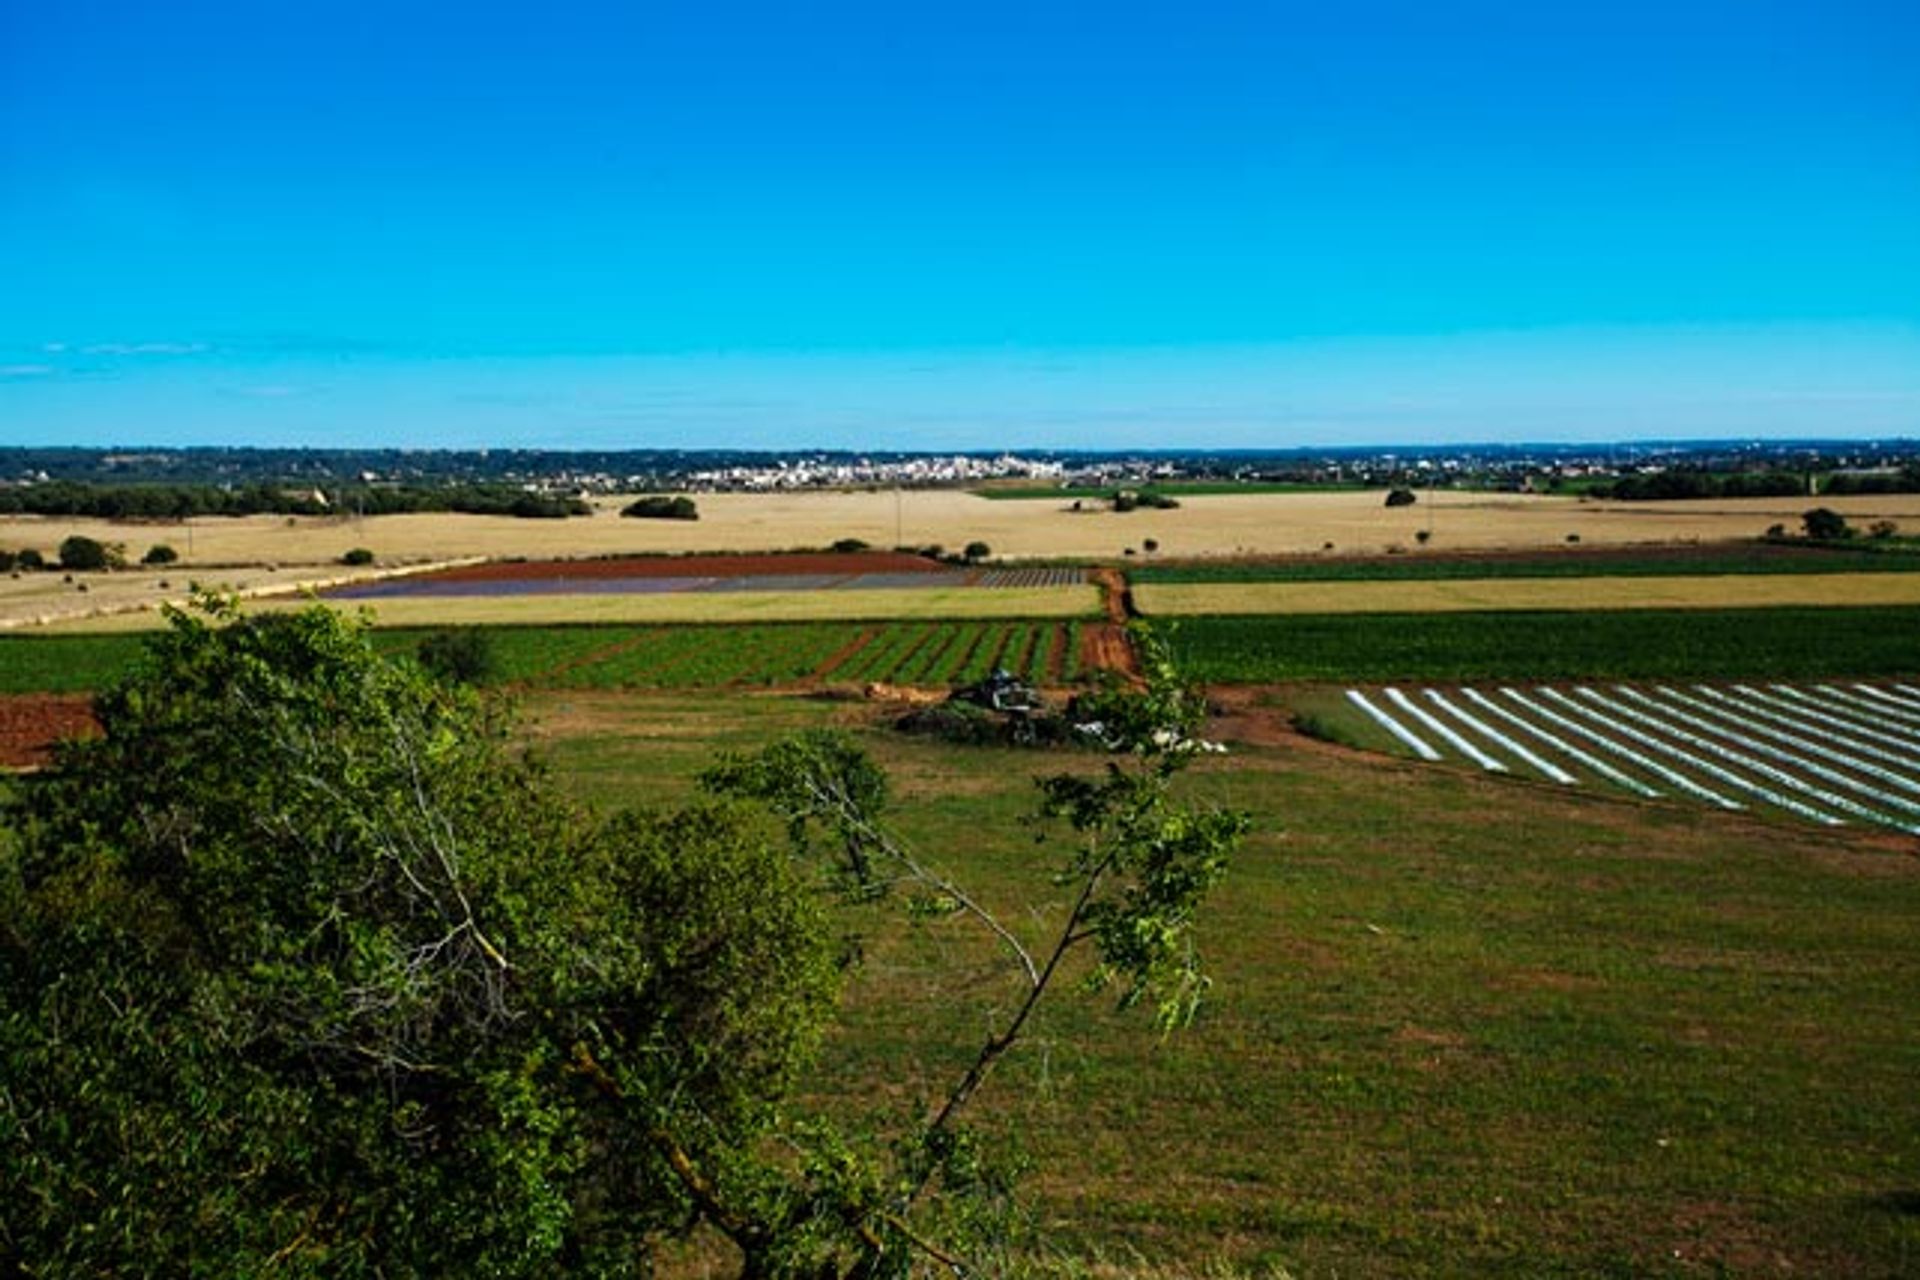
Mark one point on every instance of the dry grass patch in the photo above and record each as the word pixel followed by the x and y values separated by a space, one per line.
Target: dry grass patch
pixel 1203 525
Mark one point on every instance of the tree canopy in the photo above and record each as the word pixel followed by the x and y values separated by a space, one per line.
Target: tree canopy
pixel 303 968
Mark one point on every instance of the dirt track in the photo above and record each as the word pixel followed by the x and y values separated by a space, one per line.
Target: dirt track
pixel 31 723
pixel 697 566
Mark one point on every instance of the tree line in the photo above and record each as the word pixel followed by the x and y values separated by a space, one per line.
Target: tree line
pixel 1676 484
pixel 178 502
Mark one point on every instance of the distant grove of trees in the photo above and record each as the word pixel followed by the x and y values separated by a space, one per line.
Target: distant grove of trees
pixel 658 506
pixel 1754 484
pixel 177 502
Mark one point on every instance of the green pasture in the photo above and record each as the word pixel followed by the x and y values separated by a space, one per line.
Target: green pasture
pixel 1462 1026
pixel 1773 643
pixel 64 663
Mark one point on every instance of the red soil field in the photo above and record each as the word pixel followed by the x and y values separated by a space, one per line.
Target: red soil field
pixel 697 566
pixel 31 723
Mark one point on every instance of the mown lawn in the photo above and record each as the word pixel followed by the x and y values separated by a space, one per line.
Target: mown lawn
pixel 1463 1026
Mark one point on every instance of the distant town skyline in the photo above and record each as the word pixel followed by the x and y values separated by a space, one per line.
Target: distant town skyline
pixel 1013 226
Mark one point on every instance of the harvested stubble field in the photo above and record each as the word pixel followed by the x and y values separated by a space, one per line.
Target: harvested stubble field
pixel 1462 1024
pixel 1204 525
pixel 1718 591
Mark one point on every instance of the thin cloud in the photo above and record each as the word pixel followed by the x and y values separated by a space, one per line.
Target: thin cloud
pixel 26 370
pixel 144 348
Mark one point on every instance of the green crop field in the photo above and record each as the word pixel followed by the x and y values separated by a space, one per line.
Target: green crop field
pixel 1750 558
pixel 648 657
pixel 1780 643
pixel 1461 1026
pixel 63 663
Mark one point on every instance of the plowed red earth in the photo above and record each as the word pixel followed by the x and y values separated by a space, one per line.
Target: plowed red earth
pixel 31 723
pixel 715 566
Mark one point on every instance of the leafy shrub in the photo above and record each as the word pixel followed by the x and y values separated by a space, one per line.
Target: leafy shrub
pixel 660 506
pixel 1400 498
pixel 87 555
pixel 30 559
pixel 8 560
pixel 160 553
pixel 1824 524
pixel 1882 529
pixel 977 551
pixel 459 655
pixel 847 546
pixel 357 556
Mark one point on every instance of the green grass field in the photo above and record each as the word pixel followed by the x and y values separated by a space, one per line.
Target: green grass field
pixel 1784 643
pixel 64 663
pixel 1462 1026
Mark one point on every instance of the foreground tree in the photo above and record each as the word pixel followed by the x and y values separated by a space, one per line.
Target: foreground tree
pixel 303 971
pixel 299 969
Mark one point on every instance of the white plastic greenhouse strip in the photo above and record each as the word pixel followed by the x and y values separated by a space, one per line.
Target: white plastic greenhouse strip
pixel 1678 780
pixel 1565 748
pixel 1846 759
pixel 1811 711
pixel 1794 760
pixel 1890 699
pixel 1444 733
pixel 1908 690
pixel 1547 768
pixel 1727 753
pixel 1874 706
pixel 1850 742
pixel 1392 726
pixel 1853 718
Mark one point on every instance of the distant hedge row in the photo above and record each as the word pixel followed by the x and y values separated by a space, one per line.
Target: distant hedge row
pixel 177 502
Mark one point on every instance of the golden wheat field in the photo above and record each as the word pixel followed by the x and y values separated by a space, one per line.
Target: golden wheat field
pixel 1211 525
pixel 1719 591
pixel 286 552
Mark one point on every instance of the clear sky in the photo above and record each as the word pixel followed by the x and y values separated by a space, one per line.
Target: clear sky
pixel 981 225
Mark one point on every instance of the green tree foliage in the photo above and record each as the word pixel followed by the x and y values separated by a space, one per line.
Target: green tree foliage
pixel 160 553
pixel 1136 866
pixel 976 551
pixel 463 655
pixel 179 502
pixel 84 554
pixel 300 971
pixel 356 556
pixel 1400 498
pixel 303 971
pixel 659 506
pixel 1824 524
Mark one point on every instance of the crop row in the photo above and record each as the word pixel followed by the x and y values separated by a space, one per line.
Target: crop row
pixel 653 657
pixel 1755 558
pixel 1828 753
pixel 1787 643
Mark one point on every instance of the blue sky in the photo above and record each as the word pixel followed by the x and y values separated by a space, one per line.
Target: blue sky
pixel 961 226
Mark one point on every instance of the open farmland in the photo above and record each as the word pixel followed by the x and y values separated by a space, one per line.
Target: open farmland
pixel 1461 1025
pixel 1826 753
pixel 1662 561
pixel 1780 643
pixel 1719 591
pixel 1355 522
